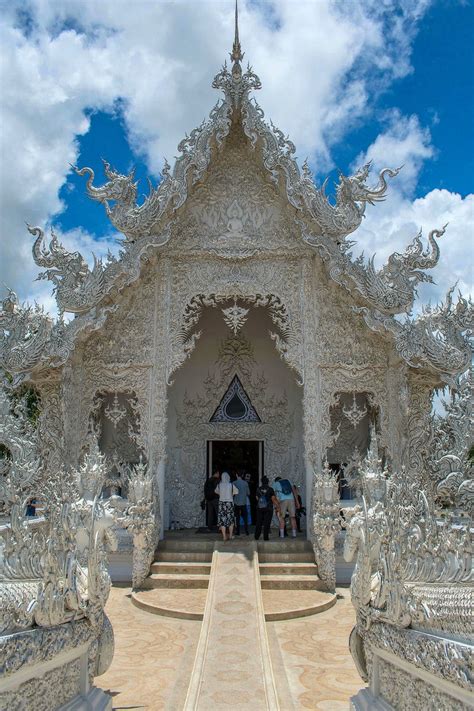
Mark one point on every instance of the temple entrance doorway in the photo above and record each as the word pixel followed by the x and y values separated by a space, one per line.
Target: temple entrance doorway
pixel 245 456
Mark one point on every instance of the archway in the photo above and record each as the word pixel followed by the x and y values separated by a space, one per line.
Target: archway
pixel 271 411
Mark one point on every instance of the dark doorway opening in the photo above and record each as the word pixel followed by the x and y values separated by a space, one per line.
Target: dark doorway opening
pixel 232 456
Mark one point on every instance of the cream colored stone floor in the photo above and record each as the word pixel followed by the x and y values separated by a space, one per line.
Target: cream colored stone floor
pixel 314 652
pixel 154 657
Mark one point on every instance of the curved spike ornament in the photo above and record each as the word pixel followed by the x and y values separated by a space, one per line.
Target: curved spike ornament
pixel 77 289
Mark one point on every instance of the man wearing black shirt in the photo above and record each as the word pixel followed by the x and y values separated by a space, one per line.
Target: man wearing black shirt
pixel 266 500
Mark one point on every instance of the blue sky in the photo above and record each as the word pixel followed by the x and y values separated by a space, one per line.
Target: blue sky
pixel 349 81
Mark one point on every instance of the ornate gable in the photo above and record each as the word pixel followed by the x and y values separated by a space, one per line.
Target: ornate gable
pixel 235 211
pixel 236 192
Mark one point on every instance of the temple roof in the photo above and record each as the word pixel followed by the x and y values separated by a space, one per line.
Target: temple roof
pixel 323 226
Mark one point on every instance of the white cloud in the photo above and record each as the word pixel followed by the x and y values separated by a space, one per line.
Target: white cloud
pixel 391 226
pixel 404 143
pixel 320 64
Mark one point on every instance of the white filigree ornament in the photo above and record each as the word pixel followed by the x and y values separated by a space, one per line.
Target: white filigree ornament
pixel 235 317
pixel 115 413
pixel 354 413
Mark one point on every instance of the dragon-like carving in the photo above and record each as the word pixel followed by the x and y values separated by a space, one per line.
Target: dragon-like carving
pixel 19 464
pixel 392 289
pixel 24 334
pixel 438 338
pixel 352 196
pixel 413 566
pixel 77 288
pixel 58 562
pixel 118 195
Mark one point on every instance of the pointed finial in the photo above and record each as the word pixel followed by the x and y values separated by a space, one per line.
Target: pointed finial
pixel 236 55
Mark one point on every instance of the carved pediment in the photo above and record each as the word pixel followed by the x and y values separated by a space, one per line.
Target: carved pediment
pixel 236 211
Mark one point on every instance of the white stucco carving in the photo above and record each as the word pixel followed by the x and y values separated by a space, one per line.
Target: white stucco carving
pixel 237 264
pixel 53 571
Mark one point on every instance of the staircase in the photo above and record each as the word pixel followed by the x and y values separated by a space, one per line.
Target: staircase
pixel 289 565
pixel 289 580
pixel 179 578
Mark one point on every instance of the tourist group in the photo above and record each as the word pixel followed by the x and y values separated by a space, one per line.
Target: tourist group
pixel 231 501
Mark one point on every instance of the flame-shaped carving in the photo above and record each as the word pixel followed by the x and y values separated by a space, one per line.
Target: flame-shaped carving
pixel 77 288
pixel 24 331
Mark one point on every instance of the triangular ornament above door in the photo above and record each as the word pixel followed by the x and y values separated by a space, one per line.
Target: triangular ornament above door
pixel 235 406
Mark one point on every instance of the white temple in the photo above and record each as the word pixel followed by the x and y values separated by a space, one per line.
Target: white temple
pixel 236 325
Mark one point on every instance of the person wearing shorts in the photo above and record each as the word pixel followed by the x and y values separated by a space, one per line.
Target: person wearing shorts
pixel 285 493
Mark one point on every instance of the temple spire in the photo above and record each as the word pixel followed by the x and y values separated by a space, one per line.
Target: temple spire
pixel 236 55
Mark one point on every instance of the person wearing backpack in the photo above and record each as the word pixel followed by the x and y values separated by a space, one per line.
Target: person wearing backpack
pixel 266 500
pixel 288 502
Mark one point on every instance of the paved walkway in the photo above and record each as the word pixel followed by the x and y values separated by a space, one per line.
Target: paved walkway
pixel 154 658
pixel 233 666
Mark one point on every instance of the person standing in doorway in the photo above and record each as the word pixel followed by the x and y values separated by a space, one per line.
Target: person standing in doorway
pixel 225 513
pixel 266 500
pixel 240 503
pixel 212 499
pixel 287 498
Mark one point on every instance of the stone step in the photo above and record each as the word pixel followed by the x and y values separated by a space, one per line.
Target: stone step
pixel 188 544
pixel 279 568
pixel 296 557
pixel 285 605
pixel 189 604
pixel 183 556
pixel 291 582
pixel 175 581
pixel 181 604
pixel 284 545
pixel 181 568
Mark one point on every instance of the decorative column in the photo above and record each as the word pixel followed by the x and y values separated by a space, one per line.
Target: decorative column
pixel 140 520
pixel 51 423
pixel 326 524
pixel 419 427
pixel 312 387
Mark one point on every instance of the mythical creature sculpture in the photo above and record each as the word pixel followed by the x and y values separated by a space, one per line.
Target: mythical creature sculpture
pixel 443 333
pixel 392 288
pixel 121 190
pixel 77 288
pixel 352 196
pixel 451 463
pixel 24 334
pixel 140 520
pixel 57 565
pixel 438 338
pixel 326 524
pixel 20 466
pixel 365 530
pixel 414 563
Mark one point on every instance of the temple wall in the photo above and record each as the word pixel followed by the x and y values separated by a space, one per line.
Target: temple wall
pixel 139 349
pixel 351 358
